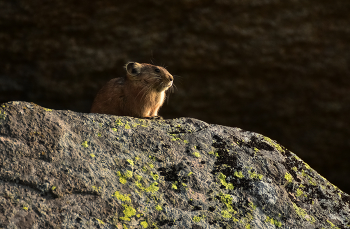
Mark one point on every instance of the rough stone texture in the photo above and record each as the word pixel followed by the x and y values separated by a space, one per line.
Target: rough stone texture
pixel 277 67
pixel 61 169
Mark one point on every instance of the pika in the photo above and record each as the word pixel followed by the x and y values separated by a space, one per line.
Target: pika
pixel 140 93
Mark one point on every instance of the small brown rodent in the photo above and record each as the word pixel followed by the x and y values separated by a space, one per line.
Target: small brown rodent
pixel 138 94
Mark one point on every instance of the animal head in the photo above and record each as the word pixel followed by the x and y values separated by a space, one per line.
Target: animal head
pixel 147 75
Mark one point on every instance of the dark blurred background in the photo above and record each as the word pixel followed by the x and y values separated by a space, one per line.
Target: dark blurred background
pixel 276 67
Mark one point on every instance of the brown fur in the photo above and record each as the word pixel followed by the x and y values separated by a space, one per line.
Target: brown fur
pixel 139 94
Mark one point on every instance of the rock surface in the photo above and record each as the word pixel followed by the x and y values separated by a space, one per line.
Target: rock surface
pixel 276 67
pixel 61 169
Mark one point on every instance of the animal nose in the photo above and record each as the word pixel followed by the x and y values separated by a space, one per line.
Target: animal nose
pixel 171 78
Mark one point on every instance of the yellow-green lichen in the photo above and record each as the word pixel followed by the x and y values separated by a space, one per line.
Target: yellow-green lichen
pixel 310 179
pixel 159 208
pixel 119 122
pixel 239 174
pixel 3 115
pixel 229 211
pixel 127 126
pixel 128 174
pixel 332 225
pixel 100 221
pixel 189 174
pixel 307 166
pixel 144 224
pixel 53 188
pixel 226 214
pixel 92 155
pixel 152 188
pixel 273 143
pixel 173 185
pixel 131 162
pixel 96 189
pixel 139 185
pixel 25 208
pixel 154 176
pixel 196 154
pixel 85 144
pixel 128 211
pixel 302 213
pixel 299 192
pixel 185 141
pixel 214 153
pixel 255 175
pixel 251 205
pixel 119 196
pixel 273 221
pixel 222 179
pixel 47 109
pixel 226 199
pixel 99 134
pixel 197 218
pixel 135 124
pixel 288 177
pixel 123 178
pixel 138 177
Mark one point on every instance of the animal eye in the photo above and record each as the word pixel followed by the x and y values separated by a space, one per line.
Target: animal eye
pixel 156 70
pixel 133 71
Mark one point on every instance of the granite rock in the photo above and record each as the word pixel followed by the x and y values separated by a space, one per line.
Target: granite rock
pixel 277 67
pixel 62 169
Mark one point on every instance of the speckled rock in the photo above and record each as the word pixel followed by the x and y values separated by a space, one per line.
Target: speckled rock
pixel 276 67
pixel 62 169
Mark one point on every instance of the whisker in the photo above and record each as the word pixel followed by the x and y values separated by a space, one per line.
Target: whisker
pixel 149 88
pixel 155 76
pixel 144 94
pixel 152 57
pixel 158 76
pixel 172 88
pixel 141 91
pixel 146 89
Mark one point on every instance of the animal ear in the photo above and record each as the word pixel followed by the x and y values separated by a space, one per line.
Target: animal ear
pixel 133 68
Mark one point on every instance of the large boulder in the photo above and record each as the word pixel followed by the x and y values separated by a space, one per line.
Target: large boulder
pixel 277 67
pixel 62 169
